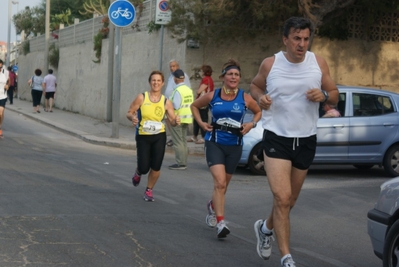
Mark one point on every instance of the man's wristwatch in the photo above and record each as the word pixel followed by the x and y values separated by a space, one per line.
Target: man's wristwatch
pixel 326 95
pixel 254 124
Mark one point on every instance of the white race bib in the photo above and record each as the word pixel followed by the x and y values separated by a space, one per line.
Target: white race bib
pixel 152 127
pixel 229 122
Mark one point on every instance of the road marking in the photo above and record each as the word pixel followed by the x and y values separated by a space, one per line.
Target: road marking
pixel 322 257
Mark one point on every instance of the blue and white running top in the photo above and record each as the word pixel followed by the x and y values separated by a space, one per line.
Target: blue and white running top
pixel 234 109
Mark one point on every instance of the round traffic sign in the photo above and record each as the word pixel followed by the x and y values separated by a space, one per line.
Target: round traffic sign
pixel 121 13
pixel 164 6
pixel 15 68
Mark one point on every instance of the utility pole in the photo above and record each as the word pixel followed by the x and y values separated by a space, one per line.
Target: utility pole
pixel 9 34
pixel 16 39
pixel 47 36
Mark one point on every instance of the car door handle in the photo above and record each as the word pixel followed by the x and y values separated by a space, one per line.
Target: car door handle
pixel 338 126
pixel 388 124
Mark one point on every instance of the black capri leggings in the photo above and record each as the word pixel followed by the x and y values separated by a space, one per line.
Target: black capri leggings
pixel 36 97
pixel 150 152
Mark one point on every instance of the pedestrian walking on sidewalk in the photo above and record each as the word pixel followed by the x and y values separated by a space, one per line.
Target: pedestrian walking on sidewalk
pixel 147 112
pixel 289 88
pixel 223 138
pixel 4 86
pixel 36 83
pixel 182 97
pixel 49 87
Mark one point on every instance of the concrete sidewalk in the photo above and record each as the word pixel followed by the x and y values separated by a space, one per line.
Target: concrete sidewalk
pixel 88 129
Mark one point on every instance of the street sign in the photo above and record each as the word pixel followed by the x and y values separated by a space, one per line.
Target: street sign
pixel 15 68
pixel 121 13
pixel 163 14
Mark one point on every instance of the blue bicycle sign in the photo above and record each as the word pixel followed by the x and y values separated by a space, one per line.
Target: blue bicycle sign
pixel 124 13
pixel 121 13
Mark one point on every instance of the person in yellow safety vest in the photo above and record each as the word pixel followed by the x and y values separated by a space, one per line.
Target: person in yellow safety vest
pixel 182 97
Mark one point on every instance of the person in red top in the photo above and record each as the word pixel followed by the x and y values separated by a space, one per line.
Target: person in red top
pixel 205 86
pixel 10 91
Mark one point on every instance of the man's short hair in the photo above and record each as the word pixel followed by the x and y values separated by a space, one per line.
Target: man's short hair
pixel 174 60
pixel 298 23
pixel 50 71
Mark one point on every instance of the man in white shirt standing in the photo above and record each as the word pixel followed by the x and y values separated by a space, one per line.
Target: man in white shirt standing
pixel 49 86
pixel 171 85
pixel 4 85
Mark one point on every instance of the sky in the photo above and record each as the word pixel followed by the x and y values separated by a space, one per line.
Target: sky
pixel 14 10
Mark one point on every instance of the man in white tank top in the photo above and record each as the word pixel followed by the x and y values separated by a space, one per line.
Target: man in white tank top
pixel 289 88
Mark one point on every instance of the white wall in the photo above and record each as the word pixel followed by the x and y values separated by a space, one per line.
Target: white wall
pixel 82 84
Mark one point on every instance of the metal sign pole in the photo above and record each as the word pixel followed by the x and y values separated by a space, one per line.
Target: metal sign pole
pixel 110 66
pixel 121 13
pixel 161 48
pixel 116 99
pixel 163 16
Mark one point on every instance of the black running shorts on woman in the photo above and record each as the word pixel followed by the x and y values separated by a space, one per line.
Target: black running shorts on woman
pixel 300 151
pixel 222 154
pixel 150 152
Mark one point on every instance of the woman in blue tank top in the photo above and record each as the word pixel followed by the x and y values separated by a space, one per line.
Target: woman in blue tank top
pixel 223 138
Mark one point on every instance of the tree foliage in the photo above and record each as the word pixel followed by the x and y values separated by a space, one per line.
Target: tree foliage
pixel 30 20
pixel 58 7
pixel 322 11
pixel 100 7
pixel 218 20
pixel 215 20
pixel 335 26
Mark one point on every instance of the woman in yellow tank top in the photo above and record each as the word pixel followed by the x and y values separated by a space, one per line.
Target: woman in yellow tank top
pixel 147 113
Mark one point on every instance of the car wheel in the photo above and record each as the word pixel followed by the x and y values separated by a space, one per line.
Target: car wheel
pixel 391 161
pixel 256 165
pixel 363 166
pixel 391 247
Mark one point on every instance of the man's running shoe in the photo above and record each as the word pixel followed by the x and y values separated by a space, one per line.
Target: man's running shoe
pixel 148 195
pixel 288 262
pixel 136 179
pixel 177 167
pixel 210 217
pixel 223 230
pixel 263 245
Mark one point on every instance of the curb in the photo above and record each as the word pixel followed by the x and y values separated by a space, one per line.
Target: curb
pixel 92 139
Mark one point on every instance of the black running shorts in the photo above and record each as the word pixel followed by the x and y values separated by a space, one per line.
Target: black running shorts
pixel 229 156
pixel 300 151
pixel 3 102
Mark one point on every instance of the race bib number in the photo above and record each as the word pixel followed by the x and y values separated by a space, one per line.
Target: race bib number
pixel 152 127
pixel 229 123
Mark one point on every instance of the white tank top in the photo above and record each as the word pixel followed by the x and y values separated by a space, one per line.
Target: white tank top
pixel 291 114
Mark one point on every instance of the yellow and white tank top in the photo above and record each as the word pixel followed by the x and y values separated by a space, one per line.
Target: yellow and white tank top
pixel 151 115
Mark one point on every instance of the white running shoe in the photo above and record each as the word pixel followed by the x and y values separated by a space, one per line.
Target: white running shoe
pixel 223 230
pixel 288 262
pixel 211 216
pixel 263 246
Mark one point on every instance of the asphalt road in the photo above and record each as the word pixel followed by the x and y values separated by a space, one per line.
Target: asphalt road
pixel 65 202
